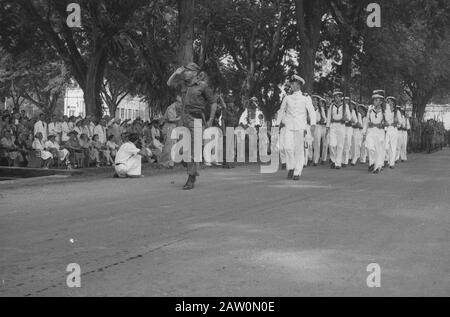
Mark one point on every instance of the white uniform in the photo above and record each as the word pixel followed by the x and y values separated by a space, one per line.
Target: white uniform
pixel 41 126
pixel 320 136
pixel 54 128
pixel 128 162
pixel 363 141
pixel 282 139
pixel 391 135
pixel 101 132
pixel 400 135
pixel 375 139
pixel 293 114
pixel 337 133
pixel 357 138
pixel 65 129
pixel 350 120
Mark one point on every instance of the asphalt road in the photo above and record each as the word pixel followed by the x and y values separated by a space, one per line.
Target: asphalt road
pixel 239 233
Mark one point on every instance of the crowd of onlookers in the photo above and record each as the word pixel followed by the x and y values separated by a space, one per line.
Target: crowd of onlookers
pixel 72 142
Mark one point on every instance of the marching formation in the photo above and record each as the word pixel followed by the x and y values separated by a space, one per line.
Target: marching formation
pixel 313 129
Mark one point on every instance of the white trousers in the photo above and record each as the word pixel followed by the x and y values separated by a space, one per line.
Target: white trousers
pixel 375 147
pixel 282 145
pixel 347 144
pixel 391 145
pixel 320 142
pixel 402 141
pixel 336 145
pixel 295 150
pixel 132 167
pixel 309 139
pixel 356 145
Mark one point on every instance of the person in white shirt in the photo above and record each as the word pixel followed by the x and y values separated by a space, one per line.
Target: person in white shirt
pixel 293 114
pixel 357 135
pixel 128 162
pixel 53 147
pixel 375 134
pixel 349 121
pixel 54 128
pixel 65 129
pixel 319 143
pixel 390 119
pixel 336 130
pixel 39 146
pixel 41 127
pixel 100 130
pixel 252 115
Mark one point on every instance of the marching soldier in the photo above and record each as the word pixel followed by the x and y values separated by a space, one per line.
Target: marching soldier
pixel 196 97
pixel 320 132
pixel 293 115
pixel 375 134
pixel 349 121
pixel 336 130
pixel 357 135
pixel 364 110
pixel 391 120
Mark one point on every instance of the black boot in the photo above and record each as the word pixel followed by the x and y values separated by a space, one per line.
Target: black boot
pixel 283 167
pixel 371 168
pixel 290 174
pixel 190 183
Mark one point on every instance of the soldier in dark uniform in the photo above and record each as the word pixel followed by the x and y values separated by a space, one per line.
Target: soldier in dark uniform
pixel 197 97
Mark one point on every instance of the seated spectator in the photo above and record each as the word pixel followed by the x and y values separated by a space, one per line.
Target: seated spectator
pixel 128 161
pixel 9 148
pixel 59 153
pixel 89 150
pixel 76 152
pixel 38 145
pixel 97 147
pixel 111 151
pixel 24 145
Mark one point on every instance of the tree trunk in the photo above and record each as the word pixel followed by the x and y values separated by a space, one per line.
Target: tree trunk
pixel 346 66
pixel 309 21
pixel 186 13
pixel 94 80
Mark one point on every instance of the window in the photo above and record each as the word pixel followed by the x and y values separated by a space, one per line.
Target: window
pixel 130 113
pixel 137 113
pixel 122 113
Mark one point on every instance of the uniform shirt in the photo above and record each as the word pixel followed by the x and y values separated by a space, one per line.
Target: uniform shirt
pixel 52 145
pixel 252 119
pixel 54 128
pixel 335 114
pixel 126 151
pixel 353 117
pixel 375 117
pixel 359 120
pixel 41 126
pixel 65 128
pixel 101 132
pixel 294 111
pixel 389 115
pixel 321 115
pixel 198 96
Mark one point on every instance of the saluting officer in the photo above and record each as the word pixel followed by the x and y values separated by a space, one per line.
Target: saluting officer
pixel 196 97
pixel 293 115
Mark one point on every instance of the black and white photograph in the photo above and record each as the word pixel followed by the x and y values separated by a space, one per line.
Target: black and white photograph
pixel 222 155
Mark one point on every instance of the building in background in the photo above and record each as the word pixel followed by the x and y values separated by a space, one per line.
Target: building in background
pixel 129 108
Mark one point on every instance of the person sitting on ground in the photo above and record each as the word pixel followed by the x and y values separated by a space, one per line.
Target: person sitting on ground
pixel 38 145
pixel 10 150
pixel 111 151
pixel 61 154
pixel 128 161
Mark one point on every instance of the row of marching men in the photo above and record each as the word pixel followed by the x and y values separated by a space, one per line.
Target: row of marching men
pixel 313 131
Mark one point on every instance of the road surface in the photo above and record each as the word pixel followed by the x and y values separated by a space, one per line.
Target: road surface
pixel 239 233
